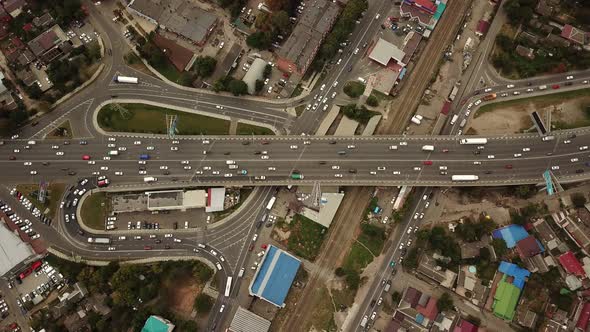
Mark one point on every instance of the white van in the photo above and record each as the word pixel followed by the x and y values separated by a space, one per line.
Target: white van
pixel 218 266
pixel 149 179
pixel 31 142
pixel 230 162
pixel 542 87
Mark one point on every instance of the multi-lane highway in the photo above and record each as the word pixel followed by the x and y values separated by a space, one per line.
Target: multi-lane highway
pixel 263 161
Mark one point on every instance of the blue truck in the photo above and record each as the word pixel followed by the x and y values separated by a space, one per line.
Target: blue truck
pixel 144 156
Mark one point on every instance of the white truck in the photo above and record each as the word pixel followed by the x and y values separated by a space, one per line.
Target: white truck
pixel 99 240
pixel 472 141
pixel 428 148
pixel 463 123
pixel 150 179
pixel 364 321
pixel 126 79
pixel 113 153
pixel 454 119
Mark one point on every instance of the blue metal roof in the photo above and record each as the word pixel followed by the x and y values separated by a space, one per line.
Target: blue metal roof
pixel 515 271
pixel 511 234
pixel 275 275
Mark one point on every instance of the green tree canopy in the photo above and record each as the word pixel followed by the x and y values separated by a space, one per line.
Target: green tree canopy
pixel 238 87
pixel 578 199
pixel 445 302
pixel 260 40
pixel 205 65
pixel 203 303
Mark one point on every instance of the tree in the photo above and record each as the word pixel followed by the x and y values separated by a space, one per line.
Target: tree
pixel 281 23
pixel 578 199
pixel 259 85
pixel 339 272
pixel 504 42
pixel 260 40
pixel 372 101
pixel 353 279
pixel 237 87
pixel 519 11
pixel 354 89
pixel 93 51
pixel 524 191
pixel 395 297
pixel 499 247
pixel 186 78
pixel 445 302
pixel 17 117
pixel 205 65
pixel 203 303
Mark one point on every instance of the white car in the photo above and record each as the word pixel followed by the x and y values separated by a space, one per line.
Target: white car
pixel 119 173
pixel 137 143
pixel 582 148
pixel 325 107
pixel 272 168
pixel 396 173
pixel 393 147
pixel 334 94
pixel 403 143
pixel 215 172
pixel 91 162
pixel 322 87
pixel 27 163
pixel 142 172
pixel 356 51
pixel 112 139
pixel 112 248
pixel 228 175
pixel 477 163
pixel 491 156
pixel 59 153
pixel 381 168
pixel 174 148
pixel 33 172
pixel 351 147
pixel 106 158
pixel 373 173
pixel 122 148
pixel 477 102
pixel 567 141
pixel 111 145
pixel 142 162
pixel 185 162
pixel 150 148
pixel 163 167
pixel 526 149
pixel 517 155
pixel 377 16
pixel 55 147
pixel 335 167
pixel 187 167
pixel 574 160
pixel 104 168
pixel 569 77
pixel 264 157
pixel 510 86
pixel 293 147
pixel 554 168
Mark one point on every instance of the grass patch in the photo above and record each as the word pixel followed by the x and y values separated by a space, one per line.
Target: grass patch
pixel 306 237
pixel 169 71
pixel 142 118
pixel 94 210
pixel 343 298
pixel 298 90
pixel 54 193
pixel 323 314
pixel 538 101
pixel 299 109
pixel 63 131
pixel 248 129
pixel 372 237
pixel 358 258
pixel 354 89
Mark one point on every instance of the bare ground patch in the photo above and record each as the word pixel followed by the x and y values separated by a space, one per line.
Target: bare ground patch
pixel 181 295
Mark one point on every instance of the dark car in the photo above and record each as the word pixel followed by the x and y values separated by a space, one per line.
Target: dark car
pixel 245 142
pixel 352 171
pixel 166 247
pixel 12 158
pixel 579 171
pixel 322 162
pixel 158 241
pixel 72 173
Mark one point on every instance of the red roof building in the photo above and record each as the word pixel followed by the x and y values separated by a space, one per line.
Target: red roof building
pixel 482 27
pixel 528 247
pixel 430 310
pixel 574 34
pixel 178 55
pixel 582 323
pixel 425 5
pixel 571 264
pixel 465 326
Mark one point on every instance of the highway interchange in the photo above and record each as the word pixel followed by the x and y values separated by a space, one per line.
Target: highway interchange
pixel 232 237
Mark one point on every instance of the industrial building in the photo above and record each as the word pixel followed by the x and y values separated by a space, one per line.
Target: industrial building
pixel 247 321
pixel 255 73
pixel 299 50
pixel 180 17
pixel 274 277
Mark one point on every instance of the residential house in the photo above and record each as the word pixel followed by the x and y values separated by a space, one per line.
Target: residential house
pixel 48 45
pixel 572 265
pixel 429 268
pixel 576 231
pixel 525 52
pixel 416 311
pixel 181 57
pixel 465 326
pixel 6 100
pixel 77 321
pixel 575 35
pixel 14 7
pixel 73 294
pixel 482 28
pixel 43 21
pixel 470 286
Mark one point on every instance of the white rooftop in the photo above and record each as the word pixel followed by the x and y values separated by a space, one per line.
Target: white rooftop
pixel 385 51
pixel 12 250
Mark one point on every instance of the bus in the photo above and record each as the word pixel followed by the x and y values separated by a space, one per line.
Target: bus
pixel 271 203
pixel 296 176
pixel 478 141
pixel 228 286
pixel 464 177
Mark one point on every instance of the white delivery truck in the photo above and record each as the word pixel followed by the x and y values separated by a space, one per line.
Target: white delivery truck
pixel 126 79
pixel 428 148
pixel 416 120
pixel 101 240
pixel 149 179
pixel 454 119
pixel 472 141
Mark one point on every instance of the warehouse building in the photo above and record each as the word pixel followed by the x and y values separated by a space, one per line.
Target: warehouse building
pixel 274 276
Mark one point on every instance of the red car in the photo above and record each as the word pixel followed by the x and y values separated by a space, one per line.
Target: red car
pixel 147 248
pixel 445 150
pixel 85 157
pixel 555 86
pixel 427 162
pixel 12 158
pixel 508 166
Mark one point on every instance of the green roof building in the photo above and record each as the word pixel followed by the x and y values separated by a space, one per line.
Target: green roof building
pixel 505 300
pixel 157 324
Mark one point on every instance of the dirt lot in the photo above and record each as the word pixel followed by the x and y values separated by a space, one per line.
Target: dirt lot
pixel 182 294
pixel 515 118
